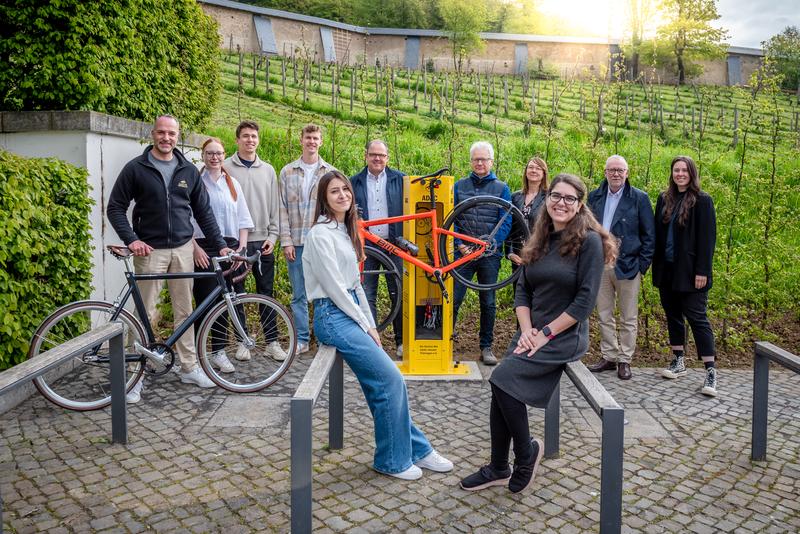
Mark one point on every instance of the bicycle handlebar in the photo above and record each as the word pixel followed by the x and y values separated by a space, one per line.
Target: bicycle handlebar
pixel 236 256
pixel 432 175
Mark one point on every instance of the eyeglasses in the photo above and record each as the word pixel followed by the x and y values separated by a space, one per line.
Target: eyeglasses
pixel 377 155
pixel 555 198
pixel 215 154
pixel 616 171
pixel 481 160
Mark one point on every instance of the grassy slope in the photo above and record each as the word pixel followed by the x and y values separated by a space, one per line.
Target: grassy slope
pixel 421 141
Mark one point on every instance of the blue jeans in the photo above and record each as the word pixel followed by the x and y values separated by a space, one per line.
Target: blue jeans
pixel 299 300
pixel 398 443
pixel 486 269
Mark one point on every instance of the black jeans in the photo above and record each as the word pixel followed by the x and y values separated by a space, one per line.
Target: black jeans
pixel 265 282
pixel 691 305
pixel 371 290
pixel 203 287
pixel 508 420
pixel 486 269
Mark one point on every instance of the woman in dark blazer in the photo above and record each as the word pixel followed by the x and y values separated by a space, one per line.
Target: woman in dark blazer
pixel 529 201
pixel 686 233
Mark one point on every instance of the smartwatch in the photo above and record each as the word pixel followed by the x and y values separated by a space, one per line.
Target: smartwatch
pixel 547 332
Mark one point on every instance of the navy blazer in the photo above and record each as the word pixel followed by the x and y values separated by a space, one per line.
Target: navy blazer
pixel 633 225
pixel 394 197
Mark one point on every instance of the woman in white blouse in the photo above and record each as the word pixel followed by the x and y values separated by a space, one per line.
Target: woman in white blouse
pixel 234 221
pixel 342 318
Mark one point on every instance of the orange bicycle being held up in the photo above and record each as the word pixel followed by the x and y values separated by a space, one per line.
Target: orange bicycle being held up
pixel 457 242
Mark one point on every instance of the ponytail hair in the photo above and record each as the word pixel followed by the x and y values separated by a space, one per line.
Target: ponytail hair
pixel 225 173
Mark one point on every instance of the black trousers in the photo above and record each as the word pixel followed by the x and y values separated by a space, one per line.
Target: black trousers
pixel 508 421
pixel 692 306
pixel 203 287
pixel 265 283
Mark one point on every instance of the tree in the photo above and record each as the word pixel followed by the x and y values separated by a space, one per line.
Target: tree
pixel 640 15
pixel 136 59
pixel 515 16
pixel 689 33
pixel 784 50
pixel 463 20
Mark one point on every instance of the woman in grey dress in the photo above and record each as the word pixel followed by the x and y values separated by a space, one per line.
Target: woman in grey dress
pixel 563 261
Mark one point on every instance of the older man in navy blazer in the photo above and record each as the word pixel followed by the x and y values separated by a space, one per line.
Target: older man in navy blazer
pixel 627 213
pixel 378 193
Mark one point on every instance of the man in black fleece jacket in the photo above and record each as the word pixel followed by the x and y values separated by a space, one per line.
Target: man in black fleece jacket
pixel 167 192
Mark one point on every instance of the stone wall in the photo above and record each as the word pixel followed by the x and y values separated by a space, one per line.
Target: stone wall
pixel 573 57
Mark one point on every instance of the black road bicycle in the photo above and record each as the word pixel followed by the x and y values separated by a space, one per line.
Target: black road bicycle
pixel 256 328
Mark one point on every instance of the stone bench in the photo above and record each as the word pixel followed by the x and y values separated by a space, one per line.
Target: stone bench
pixel 327 365
pixel 763 354
pixel 26 371
pixel 613 418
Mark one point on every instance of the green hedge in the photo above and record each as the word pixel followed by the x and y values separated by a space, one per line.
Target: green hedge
pixel 134 59
pixel 45 256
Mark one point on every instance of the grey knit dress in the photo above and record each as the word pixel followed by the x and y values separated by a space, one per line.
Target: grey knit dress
pixel 550 286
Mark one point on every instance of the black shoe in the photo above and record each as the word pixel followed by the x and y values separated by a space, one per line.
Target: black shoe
pixel 523 474
pixel 485 477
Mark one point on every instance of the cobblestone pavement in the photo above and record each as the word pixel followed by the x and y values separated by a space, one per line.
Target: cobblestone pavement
pixel 209 461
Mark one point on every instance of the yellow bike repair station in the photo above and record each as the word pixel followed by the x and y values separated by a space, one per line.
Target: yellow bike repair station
pixel 427 316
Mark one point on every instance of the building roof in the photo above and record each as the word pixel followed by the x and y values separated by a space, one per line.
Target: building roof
pixel 405 32
pixel 415 32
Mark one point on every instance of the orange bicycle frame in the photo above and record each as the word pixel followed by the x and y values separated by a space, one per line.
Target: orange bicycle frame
pixel 436 232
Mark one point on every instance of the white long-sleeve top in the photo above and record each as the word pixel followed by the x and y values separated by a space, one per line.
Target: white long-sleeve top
pixel 330 269
pixel 231 215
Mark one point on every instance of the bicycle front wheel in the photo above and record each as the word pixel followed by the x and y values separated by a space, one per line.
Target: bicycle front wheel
pixel 257 364
pixel 508 231
pixel 83 383
pixel 387 296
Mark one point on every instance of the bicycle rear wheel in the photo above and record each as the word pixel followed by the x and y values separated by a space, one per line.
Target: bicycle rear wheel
pixel 388 299
pixel 83 383
pixel 466 219
pixel 272 332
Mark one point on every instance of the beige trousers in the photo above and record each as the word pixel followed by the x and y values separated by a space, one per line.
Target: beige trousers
pixel 171 260
pixel 622 294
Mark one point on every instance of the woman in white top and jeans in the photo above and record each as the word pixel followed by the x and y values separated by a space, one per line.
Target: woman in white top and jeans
pixel 233 218
pixel 342 318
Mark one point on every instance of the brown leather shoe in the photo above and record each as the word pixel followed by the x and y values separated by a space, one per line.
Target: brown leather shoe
pixel 624 371
pixel 603 365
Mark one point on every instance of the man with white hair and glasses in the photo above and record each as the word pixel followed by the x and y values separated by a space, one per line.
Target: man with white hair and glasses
pixel 626 212
pixel 480 182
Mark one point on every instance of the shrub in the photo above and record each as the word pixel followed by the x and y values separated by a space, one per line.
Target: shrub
pixel 45 257
pixel 135 59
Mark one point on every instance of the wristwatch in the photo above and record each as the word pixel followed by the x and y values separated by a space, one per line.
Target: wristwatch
pixel 547 332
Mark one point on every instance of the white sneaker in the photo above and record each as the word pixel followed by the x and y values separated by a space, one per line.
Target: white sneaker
pixel 412 473
pixel 435 462
pixel 302 347
pixel 220 360
pixel 276 352
pixel 196 376
pixel 135 394
pixel 400 351
pixel 242 353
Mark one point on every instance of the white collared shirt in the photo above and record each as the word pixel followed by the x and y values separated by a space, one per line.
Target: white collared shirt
pixel 612 201
pixel 377 203
pixel 231 215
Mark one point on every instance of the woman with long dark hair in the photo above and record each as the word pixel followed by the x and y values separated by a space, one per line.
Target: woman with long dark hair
pixel 563 262
pixel 342 318
pixel 529 200
pixel 686 234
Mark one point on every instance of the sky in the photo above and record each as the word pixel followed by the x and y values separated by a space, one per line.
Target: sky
pixel 748 21
pixel 751 21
